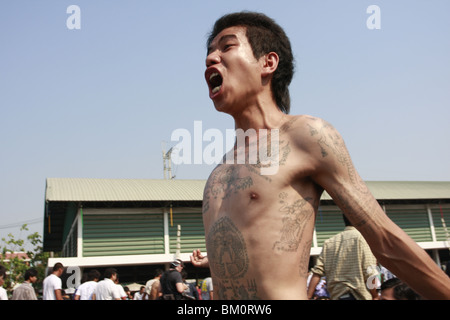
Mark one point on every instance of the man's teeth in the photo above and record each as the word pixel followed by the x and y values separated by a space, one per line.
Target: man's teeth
pixel 215 74
pixel 217 87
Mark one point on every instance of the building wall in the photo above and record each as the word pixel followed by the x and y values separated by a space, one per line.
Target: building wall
pixel 192 233
pixel 441 216
pixel 122 234
pixel 126 232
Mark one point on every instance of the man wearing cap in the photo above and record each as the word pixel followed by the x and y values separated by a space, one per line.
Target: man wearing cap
pixel 172 286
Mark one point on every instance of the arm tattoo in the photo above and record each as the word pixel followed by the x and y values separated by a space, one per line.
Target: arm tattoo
pixel 330 141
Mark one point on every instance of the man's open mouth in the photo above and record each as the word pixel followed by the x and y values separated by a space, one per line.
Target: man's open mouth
pixel 215 82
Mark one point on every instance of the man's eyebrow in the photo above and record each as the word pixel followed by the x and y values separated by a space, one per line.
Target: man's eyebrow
pixel 223 38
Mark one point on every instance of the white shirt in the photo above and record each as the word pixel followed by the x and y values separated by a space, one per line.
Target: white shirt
pixel 122 292
pixel 106 290
pixel 86 290
pixel 3 295
pixel 51 283
pixel 138 296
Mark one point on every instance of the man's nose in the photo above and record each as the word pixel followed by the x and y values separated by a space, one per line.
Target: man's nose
pixel 212 58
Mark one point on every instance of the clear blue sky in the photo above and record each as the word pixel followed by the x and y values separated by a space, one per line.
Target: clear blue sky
pixel 97 102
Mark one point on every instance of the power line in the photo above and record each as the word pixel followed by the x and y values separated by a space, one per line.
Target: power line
pixel 21 223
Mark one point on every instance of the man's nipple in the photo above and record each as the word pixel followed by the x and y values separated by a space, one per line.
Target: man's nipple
pixel 253 196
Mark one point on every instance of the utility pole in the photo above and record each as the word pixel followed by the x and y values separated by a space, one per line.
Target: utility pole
pixel 178 251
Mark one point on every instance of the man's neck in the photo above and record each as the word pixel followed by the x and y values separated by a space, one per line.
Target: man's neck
pixel 265 115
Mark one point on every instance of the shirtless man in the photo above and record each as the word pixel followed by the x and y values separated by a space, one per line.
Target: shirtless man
pixel 259 227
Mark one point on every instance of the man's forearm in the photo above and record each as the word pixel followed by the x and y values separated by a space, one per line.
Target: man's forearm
pixel 393 248
pixel 407 260
pixel 312 285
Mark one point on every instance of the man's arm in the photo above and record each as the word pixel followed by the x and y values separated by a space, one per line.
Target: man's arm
pixel 58 294
pixel 312 285
pixel 155 292
pixel 334 171
pixel 318 272
pixel 180 287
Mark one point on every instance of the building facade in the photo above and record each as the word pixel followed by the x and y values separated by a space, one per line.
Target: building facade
pixel 144 224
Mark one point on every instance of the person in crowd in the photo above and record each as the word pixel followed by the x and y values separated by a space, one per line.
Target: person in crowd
pixel 52 285
pixel 207 289
pixel 171 283
pixel 190 292
pixel 141 294
pixel 128 293
pixel 152 285
pixel 120 288
pixel 396 289
pixel 3 293
pixel 26 291
pixel 86 290
pixel 345 260
pixel 106 289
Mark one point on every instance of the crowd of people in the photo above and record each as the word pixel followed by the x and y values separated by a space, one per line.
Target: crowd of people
pixel 166 285
pixel 390 289
pixel 172 285
pixel 346 269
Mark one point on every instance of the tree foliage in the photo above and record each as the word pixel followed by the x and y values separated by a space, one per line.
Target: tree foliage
pixel 17 265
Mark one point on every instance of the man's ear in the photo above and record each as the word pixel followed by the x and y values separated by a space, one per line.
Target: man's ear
pixel 270 64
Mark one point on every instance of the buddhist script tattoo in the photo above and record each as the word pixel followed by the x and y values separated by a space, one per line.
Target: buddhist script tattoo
pixel 304 259
pixel 226 250
pixel 239 289
pixel 224 181
pixel 228 260
pixel 294 222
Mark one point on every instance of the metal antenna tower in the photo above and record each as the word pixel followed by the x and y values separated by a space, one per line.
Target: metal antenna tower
pixel 167 159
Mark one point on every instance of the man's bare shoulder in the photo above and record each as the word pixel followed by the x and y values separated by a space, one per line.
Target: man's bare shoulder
pixel 305 129
pixel 303 122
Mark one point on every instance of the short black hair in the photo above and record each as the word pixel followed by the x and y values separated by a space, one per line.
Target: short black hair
pixel 264 36
pixel 30 273
pixel 57 267
pixel 158 272
pixel 391 283
pixel 404 292
pixel 109 273
pixel 401 291
pixel 93 274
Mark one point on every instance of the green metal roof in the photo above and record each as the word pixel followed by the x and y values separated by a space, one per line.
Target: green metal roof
pixel 82 189
pixel 86 189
